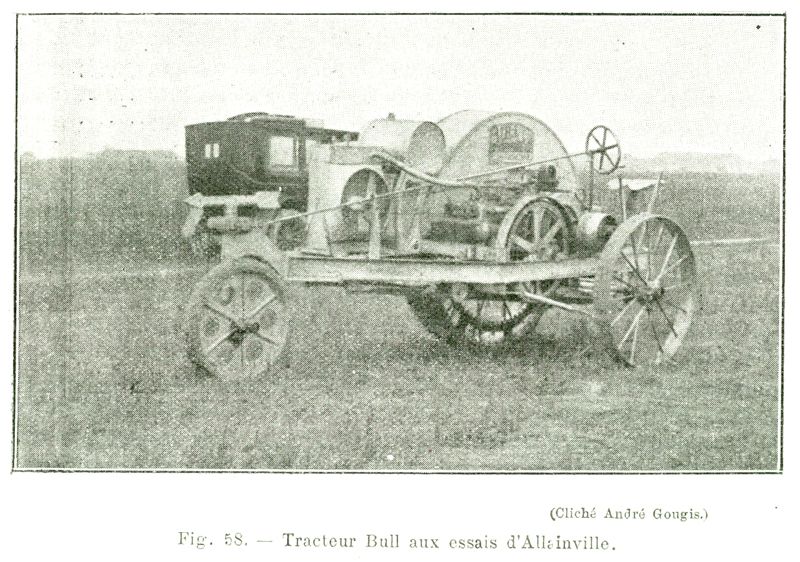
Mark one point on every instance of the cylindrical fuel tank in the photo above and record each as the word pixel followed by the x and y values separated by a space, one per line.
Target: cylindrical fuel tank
pixel 420 144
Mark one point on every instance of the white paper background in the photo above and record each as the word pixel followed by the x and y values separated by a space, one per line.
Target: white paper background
pixel 138 516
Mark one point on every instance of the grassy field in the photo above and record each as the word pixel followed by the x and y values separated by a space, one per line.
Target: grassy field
pixel 103 382
pixel 120 209
pixel 129 210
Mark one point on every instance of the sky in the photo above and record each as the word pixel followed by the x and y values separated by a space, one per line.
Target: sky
pixel 662 84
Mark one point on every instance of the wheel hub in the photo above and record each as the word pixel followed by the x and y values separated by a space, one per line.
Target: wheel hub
pixel 238 332
pixel 647 295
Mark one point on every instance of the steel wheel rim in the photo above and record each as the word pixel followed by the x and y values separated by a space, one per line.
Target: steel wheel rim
pixel 646 290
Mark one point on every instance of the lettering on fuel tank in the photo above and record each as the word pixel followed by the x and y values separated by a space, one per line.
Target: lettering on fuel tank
pixel 510 141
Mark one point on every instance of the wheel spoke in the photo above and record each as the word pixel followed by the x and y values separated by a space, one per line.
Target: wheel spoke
pixel 218 342
pixel 655 335
pixel 524 244
pixel 523 225
pixel 537 219
pixel 264 337
pixel 633 343
pixel 654 247
pixel 256 311
pixel 669 322
pixel 222 312
pixel 642 236
pixel 631 327
pixel 646 238
pixel 636 256
pixel 627 307
pixel 670 268
pixel 668 256
pixel 633 267
pixel 550 235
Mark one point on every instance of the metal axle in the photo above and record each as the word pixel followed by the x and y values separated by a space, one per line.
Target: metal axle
pixel 541 299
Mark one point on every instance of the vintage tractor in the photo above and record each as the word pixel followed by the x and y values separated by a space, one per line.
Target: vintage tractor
pixel 481 221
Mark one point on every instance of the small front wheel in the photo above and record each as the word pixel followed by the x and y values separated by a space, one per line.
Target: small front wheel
pixel 645 290
pixel 237 320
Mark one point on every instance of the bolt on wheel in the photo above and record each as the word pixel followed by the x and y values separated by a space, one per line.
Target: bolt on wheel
pixel 646 290
pixel 237 320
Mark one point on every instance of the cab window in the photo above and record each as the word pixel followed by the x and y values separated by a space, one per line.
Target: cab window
pixel 211 150
pixel 282 152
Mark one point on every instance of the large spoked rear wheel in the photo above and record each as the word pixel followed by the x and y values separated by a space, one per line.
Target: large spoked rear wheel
pixel 237 323
pixel 461 316
pixel 646 290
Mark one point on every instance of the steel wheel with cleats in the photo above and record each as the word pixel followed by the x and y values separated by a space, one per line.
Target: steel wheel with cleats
pixel 237 323
pixel 463 315
pixel 646 290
